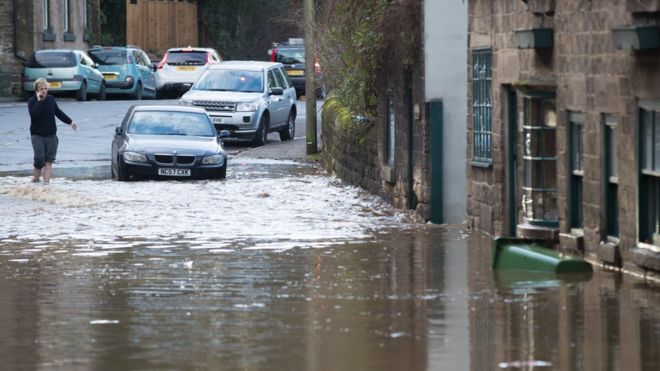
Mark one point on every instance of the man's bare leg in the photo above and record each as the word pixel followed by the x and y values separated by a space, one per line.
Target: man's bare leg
pixel 47 170
pixel 36 174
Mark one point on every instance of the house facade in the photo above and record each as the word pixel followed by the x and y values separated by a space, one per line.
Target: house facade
pixel 413 155
pixel 564 126
pixel 26 26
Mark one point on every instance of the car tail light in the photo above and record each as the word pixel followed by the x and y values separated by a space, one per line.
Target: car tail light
pixel 77 78
pixel 162 61
pixel 273 55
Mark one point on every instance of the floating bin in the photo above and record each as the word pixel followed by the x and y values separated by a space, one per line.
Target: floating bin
pixel 532 255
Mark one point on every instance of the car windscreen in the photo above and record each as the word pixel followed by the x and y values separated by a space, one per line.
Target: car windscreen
pixel 171 123
pixel 230 80
pixel 109 57
pixel 290 55
pixel 51 60
pixel 186 58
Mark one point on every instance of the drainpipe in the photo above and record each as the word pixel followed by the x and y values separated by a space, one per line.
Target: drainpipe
pixel 15 41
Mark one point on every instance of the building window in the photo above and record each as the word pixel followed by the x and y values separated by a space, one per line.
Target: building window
pixel 649 219
pixel 67 16
pixel 482 151
pixel 46 19
pixel 611 176
pixel 391 130
pixel 575 173
pixel 539 189
pixel 84 17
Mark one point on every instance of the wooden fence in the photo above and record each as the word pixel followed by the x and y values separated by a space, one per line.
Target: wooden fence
pixel 157 25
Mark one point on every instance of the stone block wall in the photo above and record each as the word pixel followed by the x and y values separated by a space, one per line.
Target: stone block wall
pixel 588 75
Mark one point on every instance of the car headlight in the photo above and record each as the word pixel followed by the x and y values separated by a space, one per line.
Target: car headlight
pixel 247 107
pixel 134 157
pixel 186 102
pixel 213 160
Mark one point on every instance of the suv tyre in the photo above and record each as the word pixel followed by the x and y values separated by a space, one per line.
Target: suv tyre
pixel 290 129
pixel 261 135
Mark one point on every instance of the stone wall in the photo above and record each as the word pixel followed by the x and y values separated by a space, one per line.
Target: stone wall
pixel 10 66
pixel 350 150
pixel 588 75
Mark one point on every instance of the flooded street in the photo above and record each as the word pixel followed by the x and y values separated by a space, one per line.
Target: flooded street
pixel 280 267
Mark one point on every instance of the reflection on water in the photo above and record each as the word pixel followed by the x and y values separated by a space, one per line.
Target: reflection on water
pixel 281 268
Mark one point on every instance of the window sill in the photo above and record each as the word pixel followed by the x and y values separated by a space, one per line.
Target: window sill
pixel 47 35
pixel 68 36
pixel 485 165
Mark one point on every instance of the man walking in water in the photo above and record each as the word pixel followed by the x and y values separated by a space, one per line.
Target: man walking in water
pixel 43 110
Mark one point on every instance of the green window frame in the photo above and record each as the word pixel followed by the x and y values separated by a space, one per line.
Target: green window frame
pixel 649 178
pixel 539 161
pixel 575 168
pixel 611 176
pixel 482 107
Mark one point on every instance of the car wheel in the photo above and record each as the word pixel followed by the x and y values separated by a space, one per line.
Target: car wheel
pixel 101 95
pixel 121 172
pixel 222 173
pixel 290 130
pixel 262 132
pixel 81 94
pixel 138 92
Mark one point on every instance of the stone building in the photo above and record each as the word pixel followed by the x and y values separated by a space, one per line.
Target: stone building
pixel 564 126
pixel 414 154
pixel 27 25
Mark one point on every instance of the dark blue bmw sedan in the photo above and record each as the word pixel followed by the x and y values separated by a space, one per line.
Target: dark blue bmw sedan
pixel 173 142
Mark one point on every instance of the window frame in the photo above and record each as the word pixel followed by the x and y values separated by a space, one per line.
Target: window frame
pixel 46 15
pixel 610 176
pixel 390 132
pixel 649 178
pixel 482 107
pixel 539 193
pixel 575 168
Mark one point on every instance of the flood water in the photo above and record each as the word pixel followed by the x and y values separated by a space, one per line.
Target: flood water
pixel 281 267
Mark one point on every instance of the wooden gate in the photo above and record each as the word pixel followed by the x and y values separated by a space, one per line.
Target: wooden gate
pixel 157 25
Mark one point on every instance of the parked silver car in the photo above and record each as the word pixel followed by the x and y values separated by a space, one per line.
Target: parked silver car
pixel 247 98
pixel 180 67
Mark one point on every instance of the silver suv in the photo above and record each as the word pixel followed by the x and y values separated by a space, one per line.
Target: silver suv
pixel 249 99
pixel 180 67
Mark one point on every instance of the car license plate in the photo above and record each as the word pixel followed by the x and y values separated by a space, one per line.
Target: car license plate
pixel 186 68
pixel 55 85
pixel 295 72
pixel 171 171
pixel 110 77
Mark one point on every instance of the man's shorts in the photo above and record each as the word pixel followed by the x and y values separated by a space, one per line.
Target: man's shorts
pixel 45 149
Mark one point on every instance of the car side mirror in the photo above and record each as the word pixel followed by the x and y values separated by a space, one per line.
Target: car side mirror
pixel 154 66
pixel 224 134
pixel 276 91
pixel 118 130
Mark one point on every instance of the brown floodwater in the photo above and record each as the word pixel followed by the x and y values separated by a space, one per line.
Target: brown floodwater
pixel 88 283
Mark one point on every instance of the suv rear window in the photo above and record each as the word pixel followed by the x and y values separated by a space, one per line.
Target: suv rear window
pixel 290 55
pixel 108 57
pixel 51 60
pixel 189 58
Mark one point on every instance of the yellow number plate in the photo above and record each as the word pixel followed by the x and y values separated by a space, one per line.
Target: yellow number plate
pixel 295 72
pixel 186 68
pixel 110 77
pixel 55 85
